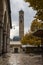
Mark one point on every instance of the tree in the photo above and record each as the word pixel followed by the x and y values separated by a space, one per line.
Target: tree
pixel 24 40
pixel 29 38
pixel 35 25
pixel 38 6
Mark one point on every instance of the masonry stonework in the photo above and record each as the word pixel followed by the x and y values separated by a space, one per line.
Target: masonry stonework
pixel 5 25
pixel 21 24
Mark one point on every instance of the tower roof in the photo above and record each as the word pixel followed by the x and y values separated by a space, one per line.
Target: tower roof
pixel 21 11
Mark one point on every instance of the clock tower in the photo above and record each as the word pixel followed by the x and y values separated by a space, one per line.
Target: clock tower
pixel 21 24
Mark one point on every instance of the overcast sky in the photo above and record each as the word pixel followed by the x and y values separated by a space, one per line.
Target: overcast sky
pixel 29 13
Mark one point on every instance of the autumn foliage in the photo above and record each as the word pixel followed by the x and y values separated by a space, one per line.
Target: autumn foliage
pixel 29 38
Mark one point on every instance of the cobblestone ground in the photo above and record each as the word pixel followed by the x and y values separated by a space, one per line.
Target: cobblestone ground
pixel 20 59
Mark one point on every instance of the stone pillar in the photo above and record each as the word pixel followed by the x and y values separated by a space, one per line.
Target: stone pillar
pixel 4 42
pixel 1 37
pixel 4 33
pixel 1 25
pixel 8 37
pixel 7 48
pixel 7 43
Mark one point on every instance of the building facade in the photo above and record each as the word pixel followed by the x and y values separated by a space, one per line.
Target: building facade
pixel 15 47
pixel 21 24
pixel 5 25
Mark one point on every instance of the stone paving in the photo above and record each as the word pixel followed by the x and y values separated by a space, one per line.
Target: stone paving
pixel 20 59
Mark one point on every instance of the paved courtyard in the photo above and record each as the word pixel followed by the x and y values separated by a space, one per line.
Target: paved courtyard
pixel 20 59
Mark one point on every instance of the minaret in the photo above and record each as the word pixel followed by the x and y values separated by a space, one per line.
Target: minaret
pixel 21 24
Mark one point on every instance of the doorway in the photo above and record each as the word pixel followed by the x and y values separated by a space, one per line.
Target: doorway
pixel 15 50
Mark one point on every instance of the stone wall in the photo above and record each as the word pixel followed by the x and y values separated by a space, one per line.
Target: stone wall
pixel 4 26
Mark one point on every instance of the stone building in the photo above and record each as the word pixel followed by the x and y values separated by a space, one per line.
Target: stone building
pixel 5 25
pixel 21 24
pixel 15 47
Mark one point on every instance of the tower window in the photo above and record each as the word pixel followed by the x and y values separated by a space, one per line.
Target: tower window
pixel 21 17
pixel 21 21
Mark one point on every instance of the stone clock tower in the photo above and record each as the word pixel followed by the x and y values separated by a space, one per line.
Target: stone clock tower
pixel 21 24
